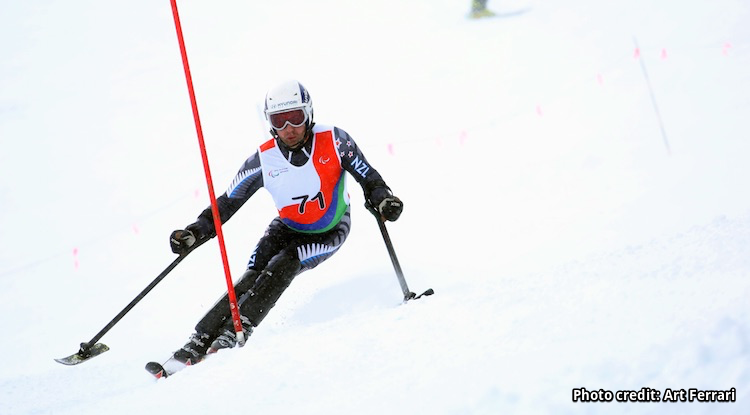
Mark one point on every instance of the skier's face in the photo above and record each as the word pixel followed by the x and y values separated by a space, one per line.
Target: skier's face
pixel 292 137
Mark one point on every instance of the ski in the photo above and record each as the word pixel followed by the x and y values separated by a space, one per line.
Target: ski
pixel 166 369
pixel 172 366
pixel 156 369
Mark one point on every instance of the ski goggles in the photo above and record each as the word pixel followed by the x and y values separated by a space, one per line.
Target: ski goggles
pixel 295 118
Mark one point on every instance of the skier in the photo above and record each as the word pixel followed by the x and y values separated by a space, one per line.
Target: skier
pixel 479 9
pixel 303 167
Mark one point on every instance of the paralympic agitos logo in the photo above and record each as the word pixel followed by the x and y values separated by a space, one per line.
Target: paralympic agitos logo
pixel 277 172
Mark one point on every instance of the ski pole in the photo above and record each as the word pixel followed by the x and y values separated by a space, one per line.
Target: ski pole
pixel 408 294
pixel 92 348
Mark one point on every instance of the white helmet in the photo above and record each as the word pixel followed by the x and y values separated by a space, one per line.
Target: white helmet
pixel 288 96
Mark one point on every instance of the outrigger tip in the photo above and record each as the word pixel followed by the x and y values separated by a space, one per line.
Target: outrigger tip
pixel 85 353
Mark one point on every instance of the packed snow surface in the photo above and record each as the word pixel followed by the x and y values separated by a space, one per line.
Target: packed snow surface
pixel 575 179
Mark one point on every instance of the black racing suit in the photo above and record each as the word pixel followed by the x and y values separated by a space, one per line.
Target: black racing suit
pixel 282 253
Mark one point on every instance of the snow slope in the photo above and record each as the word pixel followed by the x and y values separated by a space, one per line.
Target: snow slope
pixel 571 241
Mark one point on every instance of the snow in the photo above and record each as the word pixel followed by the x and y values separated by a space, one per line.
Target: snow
pixel 569 241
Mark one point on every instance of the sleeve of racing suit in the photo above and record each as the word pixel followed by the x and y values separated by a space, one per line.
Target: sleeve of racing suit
pixel 354 161
pixel 246 182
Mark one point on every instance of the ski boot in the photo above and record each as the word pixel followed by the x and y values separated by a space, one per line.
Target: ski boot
pixel 228 338
pixel 195 350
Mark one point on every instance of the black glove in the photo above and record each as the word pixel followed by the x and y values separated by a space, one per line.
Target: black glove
pixel 379 197
pixel 390 208
pixel 181 240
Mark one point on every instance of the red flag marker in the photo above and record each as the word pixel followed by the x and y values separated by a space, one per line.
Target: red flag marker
pixel 725 49
pixel 75 258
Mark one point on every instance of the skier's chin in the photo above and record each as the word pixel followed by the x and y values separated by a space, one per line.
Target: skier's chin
pixel 294 146
pixel 293 143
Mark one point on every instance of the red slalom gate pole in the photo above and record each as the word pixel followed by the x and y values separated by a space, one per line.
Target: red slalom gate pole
pixel 214 207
